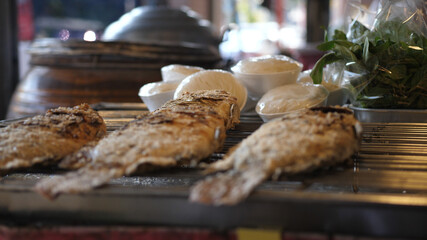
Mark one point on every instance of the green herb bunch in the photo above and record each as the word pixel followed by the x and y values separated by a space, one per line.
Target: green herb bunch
pixel 391 62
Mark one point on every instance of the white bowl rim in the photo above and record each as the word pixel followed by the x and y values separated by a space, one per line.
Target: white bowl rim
pixel 299 69
pixel 323 100
pixel 296 110
pixel 154 94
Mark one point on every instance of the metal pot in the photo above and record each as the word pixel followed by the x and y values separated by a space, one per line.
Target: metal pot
pixel 72 72
pixel 164 25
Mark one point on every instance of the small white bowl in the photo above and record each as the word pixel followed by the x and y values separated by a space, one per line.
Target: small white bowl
pixel 155 94
pixel 289 99
pixel 178 72
pixel 266 117
pixel 260 81
pixel 211 80
pixel 337 95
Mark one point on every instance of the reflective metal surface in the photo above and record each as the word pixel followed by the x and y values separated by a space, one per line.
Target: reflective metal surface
pixel 390 115
pixel 164 25
pixel 381 192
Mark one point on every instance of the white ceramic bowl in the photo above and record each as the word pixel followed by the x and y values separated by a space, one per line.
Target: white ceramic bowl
pixel 178 72
pixel 263 79
pixel 337 95
pixel 211 80
pixel 155 94
pixel 289 99
pixel 268 117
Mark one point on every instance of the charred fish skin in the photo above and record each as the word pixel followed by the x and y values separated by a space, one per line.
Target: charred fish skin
pixel 296 143
pixel 182 132
pixel 49 137
pixel 201 107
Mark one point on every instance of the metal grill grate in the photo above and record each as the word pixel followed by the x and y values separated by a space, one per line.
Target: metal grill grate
pixel 393 158
pixel 386 182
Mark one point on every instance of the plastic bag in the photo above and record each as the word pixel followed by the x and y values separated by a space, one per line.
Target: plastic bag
pixel 385 56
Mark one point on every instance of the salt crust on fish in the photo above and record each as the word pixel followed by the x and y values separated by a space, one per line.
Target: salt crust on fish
pixel 49 137
pixel 296 143
pixel 182 132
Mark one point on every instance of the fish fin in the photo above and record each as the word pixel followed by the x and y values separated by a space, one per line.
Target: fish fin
pixel 82 180
pixel 79 158
pixel 222 165
pixel 92 176
pixel 227 188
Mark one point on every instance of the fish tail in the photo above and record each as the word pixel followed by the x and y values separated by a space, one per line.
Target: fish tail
pixel 79 181
pixel 227 188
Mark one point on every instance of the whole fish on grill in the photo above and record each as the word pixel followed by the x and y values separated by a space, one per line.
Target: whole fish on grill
pixel 182 132
pixel 49 137
pixel 296 143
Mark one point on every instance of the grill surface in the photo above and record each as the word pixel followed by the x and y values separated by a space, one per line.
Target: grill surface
pixel 382 191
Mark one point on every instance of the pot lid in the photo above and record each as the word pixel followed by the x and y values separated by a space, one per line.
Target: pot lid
pixel 116 53
pixel 161 24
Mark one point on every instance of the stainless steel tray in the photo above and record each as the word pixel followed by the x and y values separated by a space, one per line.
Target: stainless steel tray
pixel 381 192
pixel 390 115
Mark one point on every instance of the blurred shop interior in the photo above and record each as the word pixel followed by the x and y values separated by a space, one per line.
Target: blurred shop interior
pixel 243 28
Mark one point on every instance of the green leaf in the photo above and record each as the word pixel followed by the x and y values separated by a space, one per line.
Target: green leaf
pixel 345 43
pixel 357 50
pixel 391 60
pixel 326 46
pixel 345 53
pixel 317 72
pixel 380 46
pixel 397 72
pixel 366 53
pixel 358 31
pixel 339 35
pixel 418 80
pixel 325 38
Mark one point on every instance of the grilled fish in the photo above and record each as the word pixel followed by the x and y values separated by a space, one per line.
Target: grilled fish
pixel 182 132
pixel 295 143
pixel 49 137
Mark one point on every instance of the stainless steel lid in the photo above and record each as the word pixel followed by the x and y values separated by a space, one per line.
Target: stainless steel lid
pixel 162 24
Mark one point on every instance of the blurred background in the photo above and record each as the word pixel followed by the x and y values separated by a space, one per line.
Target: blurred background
pixel 243 27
